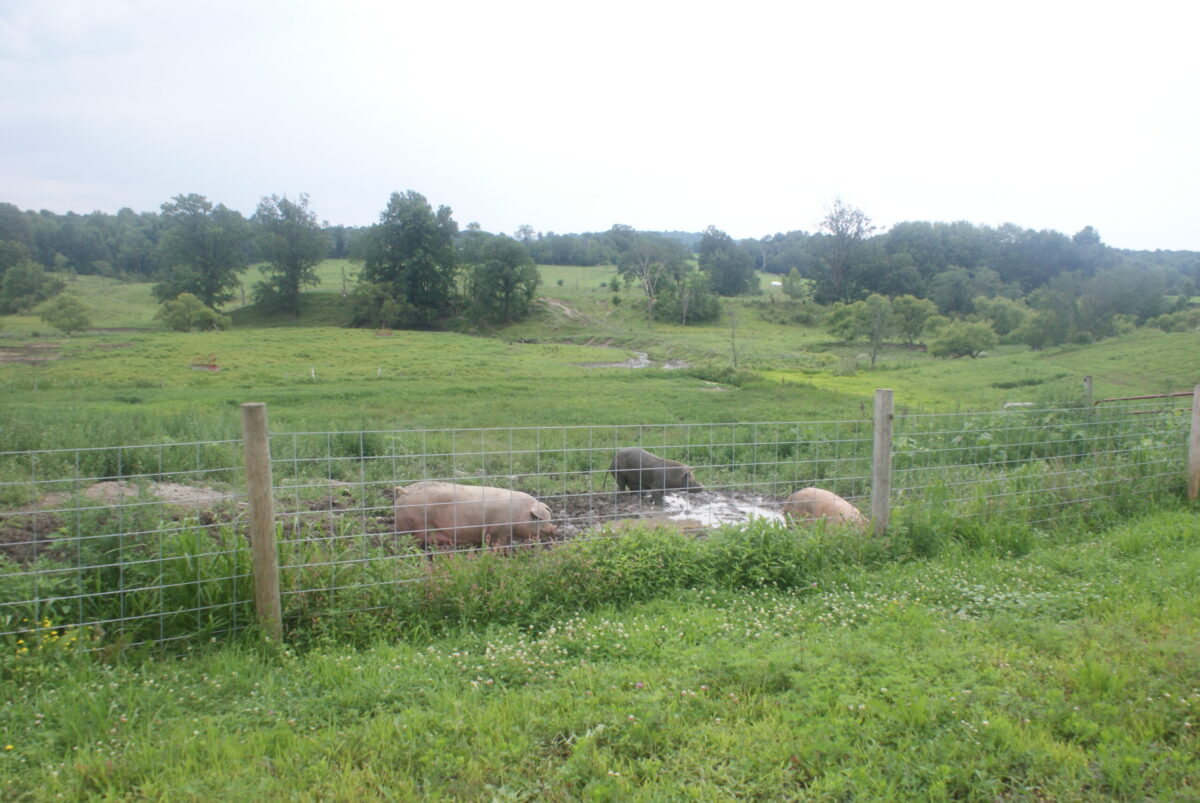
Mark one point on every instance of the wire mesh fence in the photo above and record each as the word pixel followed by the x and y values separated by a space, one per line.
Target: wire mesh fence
pixel 137 544
pixel 125 544
pixel 1031 463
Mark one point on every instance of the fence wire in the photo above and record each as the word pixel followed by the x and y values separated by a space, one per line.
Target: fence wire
pixel 1036 463
pixel 137 544
pixel 123 545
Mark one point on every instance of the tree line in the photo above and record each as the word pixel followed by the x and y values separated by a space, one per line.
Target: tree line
pixel 420 270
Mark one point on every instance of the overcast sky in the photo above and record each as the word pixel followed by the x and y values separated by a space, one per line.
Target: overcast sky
pixel 572 117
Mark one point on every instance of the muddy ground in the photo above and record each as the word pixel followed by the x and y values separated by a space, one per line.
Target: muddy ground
pixel 46 530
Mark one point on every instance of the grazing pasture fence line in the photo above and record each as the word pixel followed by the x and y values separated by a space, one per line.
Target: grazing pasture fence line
pixel 152 543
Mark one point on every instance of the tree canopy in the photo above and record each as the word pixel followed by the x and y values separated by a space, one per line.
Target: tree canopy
pixel 410 265
pixel 729 266
pixel 290 239
pixel 203 249
pixel 648 260
pixel 502 279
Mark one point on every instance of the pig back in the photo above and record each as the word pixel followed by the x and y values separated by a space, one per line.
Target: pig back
pixel 815 504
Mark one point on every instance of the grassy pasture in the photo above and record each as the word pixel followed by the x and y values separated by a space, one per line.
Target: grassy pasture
pixel 132 386
pixel 980 658
pixel 1067 670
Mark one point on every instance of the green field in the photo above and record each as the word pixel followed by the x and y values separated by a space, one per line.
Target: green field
pixel 987 649
pixel 136 385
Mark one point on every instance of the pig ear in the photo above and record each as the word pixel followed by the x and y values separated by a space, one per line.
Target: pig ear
pixel 540 511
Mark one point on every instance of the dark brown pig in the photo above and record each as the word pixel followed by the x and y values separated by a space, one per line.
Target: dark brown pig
pixel 635 469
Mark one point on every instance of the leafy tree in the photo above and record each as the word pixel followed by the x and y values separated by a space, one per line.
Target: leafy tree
pixel 503 280
pixel 963 339
pixel 935 323
pixel 1186 320
pixel 842 321
pixel 290 238
pixel 1003 314
pixel 12 253
pixel 912 313
pixel 730 267
pixel 570 249
pixel 921 244
pixel 525 233
pixel 203 249
pixel 872 318
pixel 1042 328
pixel 845 228
pixel 25 285
pixel 796 249
pixel 1120 291
pixel 65 313
pixel 689 299
pixel 796 287
pixel 899 276
pixel 187 312
pixel 648 259
pixel 14 226
pixel 1058 299
pixel 952 291
pixel 410 257
pixel 877 321
pixel 375 306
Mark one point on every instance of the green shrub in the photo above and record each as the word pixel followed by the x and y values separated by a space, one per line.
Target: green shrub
pixel 186 312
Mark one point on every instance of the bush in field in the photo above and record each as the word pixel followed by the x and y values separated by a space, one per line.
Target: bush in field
pixel 1181 321
pixel 187 312
pixel 872 318
pixel 65 313
pixel 962 339
pixel 688 300
pixel 841 322
pixel 797 287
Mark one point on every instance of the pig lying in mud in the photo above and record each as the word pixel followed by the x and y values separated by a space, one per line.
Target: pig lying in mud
pixel 446 514
pixel 817 504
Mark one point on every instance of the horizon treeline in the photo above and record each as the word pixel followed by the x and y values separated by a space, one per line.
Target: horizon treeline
pixel 898 260
pixel 196 247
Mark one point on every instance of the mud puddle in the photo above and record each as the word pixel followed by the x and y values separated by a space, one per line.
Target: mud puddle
pixel 714 510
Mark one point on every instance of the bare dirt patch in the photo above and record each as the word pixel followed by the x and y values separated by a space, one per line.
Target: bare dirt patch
pixel 36 530
pixel 30 353
pixel 562 309
pixel 116 492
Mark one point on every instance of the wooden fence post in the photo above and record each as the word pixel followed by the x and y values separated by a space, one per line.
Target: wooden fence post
pixel 1194 447
pixel 263 549
pixel 1087 392
pixel 881 463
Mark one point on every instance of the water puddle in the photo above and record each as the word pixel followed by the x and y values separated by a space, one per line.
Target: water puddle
pixel 713 510
pixel 640 359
